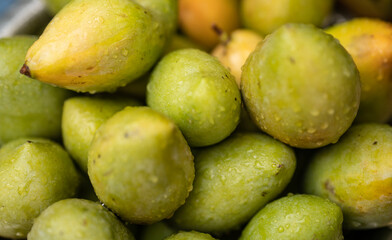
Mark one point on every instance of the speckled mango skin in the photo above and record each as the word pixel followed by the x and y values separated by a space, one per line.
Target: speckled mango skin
pixel 265 16
pixel 72 219
pixel 306 95
pixel 356 174
pixel 113 43
pixel 200 95
pixel 55 6
pixel 140 165
pixel 369 43
pixel 193 235
pixel 28 108
pixel 82 116
pixel 296 217
pixel 34 173
pixel 235 179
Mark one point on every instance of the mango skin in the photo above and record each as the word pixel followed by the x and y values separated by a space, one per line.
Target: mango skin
pixel 200 95
pixel 198 18
pixel 28 108
pixel 235 179
pixel 234 52
pixel 82 116
pixel 296 217
pixel 356 174
pixel 55 6
pixel 265 16
pixel 71 219
pixel 114 43
pixel 370 8
pixel 368 41
pixel 140 165
pixel 193 235
pixel 34 173
pixel 306 97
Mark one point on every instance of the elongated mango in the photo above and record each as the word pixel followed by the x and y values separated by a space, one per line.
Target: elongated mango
pixel 113 43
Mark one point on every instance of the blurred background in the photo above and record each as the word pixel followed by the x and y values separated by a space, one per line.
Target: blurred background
pixel 22 17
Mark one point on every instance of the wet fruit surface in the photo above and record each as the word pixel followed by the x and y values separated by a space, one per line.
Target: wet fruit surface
pixel 356 174
pixel 291 92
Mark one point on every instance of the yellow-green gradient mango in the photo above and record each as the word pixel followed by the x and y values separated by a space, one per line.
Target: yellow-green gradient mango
pixel 235 179
pixel 301 86
pixel 28 108
pixel 369 43
pixel 265 16
pixel 99 45
pixel 82 116
pixel 198 93
pixel 296 217
pixel 356 174
pixel 34 173
pixel 72 219
pixel 140 165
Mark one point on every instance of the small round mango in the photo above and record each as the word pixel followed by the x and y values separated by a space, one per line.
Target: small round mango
pixel 82 116
pixel 34 173
pixel 296 217
pixel 140 165
pixel 235 179
pixel 265 16
pixel 100 45
pixel 301 86
pixel 234 52
pixel 201 19
pixel 193 235
pixel 72 219
pixel 28 108
pixel 369 43
pixel 200 95
pixel 356 174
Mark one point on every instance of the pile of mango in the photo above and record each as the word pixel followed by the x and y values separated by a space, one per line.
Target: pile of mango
pixel 185 119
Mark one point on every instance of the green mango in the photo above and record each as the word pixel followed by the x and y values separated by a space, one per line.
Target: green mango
pixel 356 174
pixel 198 93
pixel 72 219
pixel 301 86
pixel 82 116
pixel 235 179
pixel 296 217
pixel 265 16
pixel 369 43
pixel 34 173
pixel 28 108
pixel 100 45
pixel 193 235
pixel 140 165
